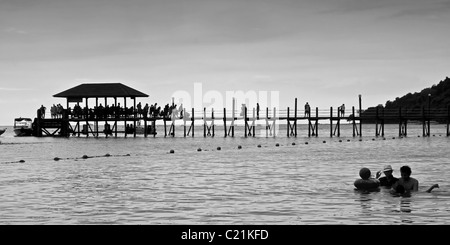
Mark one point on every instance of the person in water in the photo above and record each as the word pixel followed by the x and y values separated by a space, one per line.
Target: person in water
pixel 366 182
pixel 407 184
pixel 388 180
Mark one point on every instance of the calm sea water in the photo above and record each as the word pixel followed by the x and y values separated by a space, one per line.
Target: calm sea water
pixel 294 184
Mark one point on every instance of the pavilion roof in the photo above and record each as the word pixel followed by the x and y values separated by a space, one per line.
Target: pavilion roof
pixel 100 90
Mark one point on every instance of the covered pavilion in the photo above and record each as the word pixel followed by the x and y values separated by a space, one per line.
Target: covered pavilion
pixel 88 91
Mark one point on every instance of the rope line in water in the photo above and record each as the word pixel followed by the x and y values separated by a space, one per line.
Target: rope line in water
pixel 172 151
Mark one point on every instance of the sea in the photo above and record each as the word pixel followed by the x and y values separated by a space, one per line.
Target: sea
pixel 254 180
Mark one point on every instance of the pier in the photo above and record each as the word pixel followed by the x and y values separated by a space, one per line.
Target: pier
pixel 135 122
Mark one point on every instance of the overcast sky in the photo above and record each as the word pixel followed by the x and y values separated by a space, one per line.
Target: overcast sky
pixel 324 52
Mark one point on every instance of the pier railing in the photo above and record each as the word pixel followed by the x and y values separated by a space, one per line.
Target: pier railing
pixel 229 118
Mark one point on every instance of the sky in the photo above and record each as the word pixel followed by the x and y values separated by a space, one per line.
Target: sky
pixel 325 52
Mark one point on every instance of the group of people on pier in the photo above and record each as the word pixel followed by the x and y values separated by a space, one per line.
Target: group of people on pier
pixel 115 111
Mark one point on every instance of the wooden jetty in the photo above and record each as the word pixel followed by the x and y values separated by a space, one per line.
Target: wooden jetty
pixel 69 125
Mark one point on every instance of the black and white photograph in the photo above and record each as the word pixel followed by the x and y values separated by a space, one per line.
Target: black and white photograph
pixel 223 119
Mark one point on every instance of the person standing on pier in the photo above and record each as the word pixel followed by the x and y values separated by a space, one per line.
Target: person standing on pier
pixel 307 110
pixel 257 110
pixel 342 110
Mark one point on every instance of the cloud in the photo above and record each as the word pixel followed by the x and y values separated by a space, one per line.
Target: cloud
pixel 14 30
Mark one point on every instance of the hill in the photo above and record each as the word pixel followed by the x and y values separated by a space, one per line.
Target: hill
pixel 438 97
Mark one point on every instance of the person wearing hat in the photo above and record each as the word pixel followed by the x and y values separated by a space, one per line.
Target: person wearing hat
pixel 388 179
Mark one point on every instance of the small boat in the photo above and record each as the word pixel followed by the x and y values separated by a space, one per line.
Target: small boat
pixel 23 126
pixel 2 131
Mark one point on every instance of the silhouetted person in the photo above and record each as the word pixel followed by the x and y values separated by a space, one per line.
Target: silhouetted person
pixel 388 180
pixel 307 110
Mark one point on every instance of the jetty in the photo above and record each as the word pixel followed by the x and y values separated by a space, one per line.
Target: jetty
pixel 115 119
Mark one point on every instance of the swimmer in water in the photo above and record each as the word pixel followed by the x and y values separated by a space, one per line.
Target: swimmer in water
pixel 388 180
pixel 407 184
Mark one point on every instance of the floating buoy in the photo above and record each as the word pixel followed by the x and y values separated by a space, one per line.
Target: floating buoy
pixel 239 147
pixel 128 155
pixel 171 151
pixel 199 149
pixel 306 143
pixel 324 141
pixel 259 146
pixel 56 158
pixel 373 139
pixel 360 139
pixel 348 140
pixel 277 144
pixel 85 156
pixel 293 143
pixel 219 148
pixel 107 155
pixel 340 140
pixel 393 138
pixel 22 161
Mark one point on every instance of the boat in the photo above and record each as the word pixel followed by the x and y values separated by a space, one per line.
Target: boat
pixel 2 131
pixel 23 126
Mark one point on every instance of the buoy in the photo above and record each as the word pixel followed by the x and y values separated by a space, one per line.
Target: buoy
pixel 348 140
pixel 22 161
pixel 259 146
pixel 239 147
pixel 306 143
pixel 85 156
pixel 360 139
pixel 277 144
pixel 171 151
pixel 373 139
pixel 324 141
pixel 393 138
pixel 56 158
pixel 199 149
pixel 107 155
pixel 340 140
pixel 218 148
pixel 128 155
pixel 293 143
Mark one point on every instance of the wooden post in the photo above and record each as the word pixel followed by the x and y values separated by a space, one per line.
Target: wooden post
pixel 96 118
pixel 135 116
pixel 225 121
pixel 87 118
pixel 204 121
pixel 115 116
pixel 354 122
pixel 245 121
pixel 360 121
pixel 295 122
pixel 288 122
pixel 267 122
pixel 193 122
pixel 126 115
pixel 165 126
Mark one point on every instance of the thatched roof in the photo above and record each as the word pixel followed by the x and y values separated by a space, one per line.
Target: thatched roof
pixel 100 90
